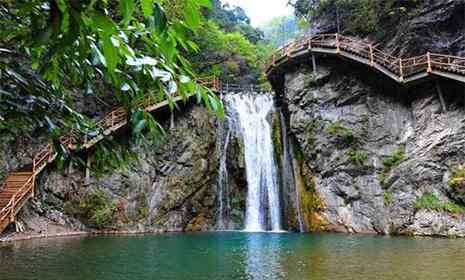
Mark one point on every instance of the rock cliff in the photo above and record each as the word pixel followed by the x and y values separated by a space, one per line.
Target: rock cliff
pixel 170 187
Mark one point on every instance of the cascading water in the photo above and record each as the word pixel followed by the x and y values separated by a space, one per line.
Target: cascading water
pixel 251 116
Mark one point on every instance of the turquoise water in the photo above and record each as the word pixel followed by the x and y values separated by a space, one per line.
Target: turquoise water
pixel 234 255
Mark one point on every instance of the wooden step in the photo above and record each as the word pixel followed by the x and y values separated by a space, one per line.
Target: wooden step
pixel 21 173
pixel 14 184
pixel 18 179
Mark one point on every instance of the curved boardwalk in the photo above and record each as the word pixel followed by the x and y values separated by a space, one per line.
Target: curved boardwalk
pixel 19 185
pixel 402 70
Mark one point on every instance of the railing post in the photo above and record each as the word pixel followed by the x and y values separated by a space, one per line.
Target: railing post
pixel 274 60
pixel 314 63
pixel 401 71
pixel 372 59
pixel 13 208
pixel 33 184
pixel 338 46
pixel 430 68
pixel 310 43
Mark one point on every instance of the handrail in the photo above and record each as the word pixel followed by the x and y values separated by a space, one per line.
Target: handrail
pixel 350 47
pixel 112 120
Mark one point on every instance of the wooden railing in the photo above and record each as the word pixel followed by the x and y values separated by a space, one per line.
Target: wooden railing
pixel 112 121
pixel 363 52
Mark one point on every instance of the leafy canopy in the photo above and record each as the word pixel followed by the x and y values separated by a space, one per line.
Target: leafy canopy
pixel 52 50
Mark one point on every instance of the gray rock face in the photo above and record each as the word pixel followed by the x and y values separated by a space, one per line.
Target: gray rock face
pixel 171 186
pixel 346 124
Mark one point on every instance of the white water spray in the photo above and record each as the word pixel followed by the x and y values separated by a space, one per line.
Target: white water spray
pixel 251 116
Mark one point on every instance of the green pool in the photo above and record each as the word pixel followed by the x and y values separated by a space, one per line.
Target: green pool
pixel 234 255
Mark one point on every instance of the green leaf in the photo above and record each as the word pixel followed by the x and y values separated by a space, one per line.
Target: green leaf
pixel 205 3
pixel 111 54
pixel 192 14
pixel 147 7
pixel 126 9
pixel 139 126
pixel 106 24
pixel 63 7
pixel 159 18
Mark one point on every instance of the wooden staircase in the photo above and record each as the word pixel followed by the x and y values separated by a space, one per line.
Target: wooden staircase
pixel 19 185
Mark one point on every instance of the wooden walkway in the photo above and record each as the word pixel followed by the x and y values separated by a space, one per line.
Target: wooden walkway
pixel 402 70
pixel 19 185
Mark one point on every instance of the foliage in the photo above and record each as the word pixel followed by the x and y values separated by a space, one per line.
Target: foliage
pixel 358 157
pixel 394 159
pixel 109 155
pixel 360 17
pixel 431 201
pixel 95 209
pixel 228 55
pixel 54 49
pixel 390 161
pixel 457 178
pixel 339 130
pixel 280 30
pixel 388 197
pixel 427 201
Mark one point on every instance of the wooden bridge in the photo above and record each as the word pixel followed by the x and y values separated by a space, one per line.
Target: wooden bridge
pixel 402 70
pixel 19 185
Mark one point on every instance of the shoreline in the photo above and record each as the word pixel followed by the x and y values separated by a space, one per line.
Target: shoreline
pixel 25 237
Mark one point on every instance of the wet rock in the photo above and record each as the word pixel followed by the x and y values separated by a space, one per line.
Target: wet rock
pixel 359 192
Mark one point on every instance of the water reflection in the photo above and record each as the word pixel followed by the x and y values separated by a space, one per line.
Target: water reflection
pixel 263 258
pixel 234 255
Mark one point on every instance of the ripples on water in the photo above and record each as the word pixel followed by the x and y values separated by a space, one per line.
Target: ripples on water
pixel 234 255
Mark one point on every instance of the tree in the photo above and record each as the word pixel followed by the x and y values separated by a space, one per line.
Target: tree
pixel 134 49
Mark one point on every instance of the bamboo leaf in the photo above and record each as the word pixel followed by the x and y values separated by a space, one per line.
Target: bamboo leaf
pixel 126 9
pixel 147 7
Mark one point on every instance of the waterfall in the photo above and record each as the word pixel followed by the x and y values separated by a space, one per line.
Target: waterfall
pixel 251 115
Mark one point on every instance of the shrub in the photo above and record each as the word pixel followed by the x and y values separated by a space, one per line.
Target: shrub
pixel 427 201
pixel 310 81
pixel 358 157
pixel 98 210
pixel 454 208
pixel 339 130
pixel 432 202
pixel 310 129
pixel 387 197
pixel 457 178
pixel 390 161
pixel 394 159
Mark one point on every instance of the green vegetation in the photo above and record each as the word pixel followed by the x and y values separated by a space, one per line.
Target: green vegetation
pixel 358 157
pixel 94 209
pixel 310 130
pixel 359 17
pixel 394 159
pixel 310 81
pixel 431 201
pixel 457 178
pixel 339 130
pixel 390 161
pixel 57 54
pixel 388 197
pixel 281 30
